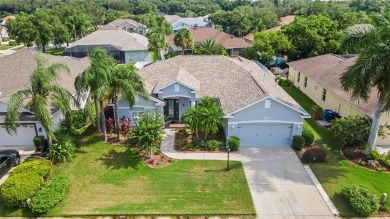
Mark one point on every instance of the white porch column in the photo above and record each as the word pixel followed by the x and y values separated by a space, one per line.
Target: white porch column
pixel 192 103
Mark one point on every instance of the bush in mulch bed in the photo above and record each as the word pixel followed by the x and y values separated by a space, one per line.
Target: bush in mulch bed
pixel 314 155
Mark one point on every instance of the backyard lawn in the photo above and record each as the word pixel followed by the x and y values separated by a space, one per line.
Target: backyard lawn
pixel 5 46
pixel 112 180
pixel 55 51
pixel 338 171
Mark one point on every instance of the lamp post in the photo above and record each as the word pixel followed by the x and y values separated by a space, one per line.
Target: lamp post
pixel 228 153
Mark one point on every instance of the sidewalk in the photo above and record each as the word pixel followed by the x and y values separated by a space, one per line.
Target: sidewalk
pixel 167 147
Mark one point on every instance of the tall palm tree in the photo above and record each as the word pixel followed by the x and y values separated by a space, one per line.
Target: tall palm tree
pixel 184 39
pixel 125 82
pixel 209 47
pixel 41 93
pixel 371 70
pixel 95 81
pixel 157 40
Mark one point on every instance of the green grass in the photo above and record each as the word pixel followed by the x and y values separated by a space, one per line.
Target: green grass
pixel 112 180
pixel 56 51
pixel 155 56
pixel 338 171
pixel 4 46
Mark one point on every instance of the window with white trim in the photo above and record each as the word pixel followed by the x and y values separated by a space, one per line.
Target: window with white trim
pixel 305 83
pixel 136 112
pixel 299 77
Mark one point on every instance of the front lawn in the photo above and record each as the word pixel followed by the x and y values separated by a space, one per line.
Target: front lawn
pixel 5 46
pixel 112 180
pixel 338 171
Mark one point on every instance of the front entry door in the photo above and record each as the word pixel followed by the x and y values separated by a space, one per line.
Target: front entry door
pixel 171 109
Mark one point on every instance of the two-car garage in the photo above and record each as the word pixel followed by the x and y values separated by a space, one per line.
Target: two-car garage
pixel 23 137
pixel 264 134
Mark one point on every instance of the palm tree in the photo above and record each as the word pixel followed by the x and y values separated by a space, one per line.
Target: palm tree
pixel 371 70
pixel 126 82
pixel 157 40
pixel 42 92
pixel 193 117
pixel 210 47
pixel 184 39
pixel 95 81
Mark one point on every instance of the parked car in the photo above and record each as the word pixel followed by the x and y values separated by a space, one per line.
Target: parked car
pixel 8 159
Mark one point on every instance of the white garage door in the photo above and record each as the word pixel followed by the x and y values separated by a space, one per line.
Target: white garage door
pixel 265 134
pixel 24 136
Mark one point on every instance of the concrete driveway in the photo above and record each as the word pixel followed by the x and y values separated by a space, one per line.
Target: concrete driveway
pixel 280 186
pixel 24 152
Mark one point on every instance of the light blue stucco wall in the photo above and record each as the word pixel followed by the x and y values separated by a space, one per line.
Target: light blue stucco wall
pixel 169 92
pixel 180 26
pixel 137 56
pixel 277 113
pixel 141 105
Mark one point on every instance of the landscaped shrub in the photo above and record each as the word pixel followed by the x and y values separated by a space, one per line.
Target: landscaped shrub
pixel 308 135
pixel 50 195
pixel 211 145
pixel 12 43
pixel 41 167
pixel 110 125
pixel 38 141
pixel 374 154
pixel 316 112
pixel 283 81
pixel 361 200
pixel 298 142
pixel 19 187
pixel 234 143
pixel 63 150
pixel 79 118
pixel 314 155
pixel 351 131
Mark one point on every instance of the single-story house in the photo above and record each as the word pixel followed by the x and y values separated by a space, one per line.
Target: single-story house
pixel 15 72
pixel 256 109
pixel 319 78
pixel 129 25
pixel 125 47
pixel 234 46
pixel 188 22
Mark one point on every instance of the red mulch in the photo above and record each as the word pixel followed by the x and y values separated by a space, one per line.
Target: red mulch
pixel 357 156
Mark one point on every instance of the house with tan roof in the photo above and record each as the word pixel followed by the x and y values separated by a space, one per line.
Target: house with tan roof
pixel 233 45
pixel 15 72
pixel 129 25
pixel 178 22
pixel 124 47
pixel 319 78
pixel 255 108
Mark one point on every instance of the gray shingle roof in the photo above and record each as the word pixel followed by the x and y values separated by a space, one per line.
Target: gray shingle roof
pixel 119 22
pixel 16 69
pixel 326 71
pixel 190 21
pixel 110 35
pixel 237 82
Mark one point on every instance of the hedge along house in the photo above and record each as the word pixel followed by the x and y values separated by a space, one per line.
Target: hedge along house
pixel 15 72
pixel 319 78
pixel 123 46
pixel 255 108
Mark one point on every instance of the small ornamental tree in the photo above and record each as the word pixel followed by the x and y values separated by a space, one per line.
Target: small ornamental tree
pixel 351 130
pixel 149 132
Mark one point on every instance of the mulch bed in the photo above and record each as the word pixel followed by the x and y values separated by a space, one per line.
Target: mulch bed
pixel 357 156
pixel 184 143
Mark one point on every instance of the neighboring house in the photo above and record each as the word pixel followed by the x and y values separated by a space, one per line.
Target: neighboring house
pixel 15 72
pixel 255 108
pixel 129 25
pixel 179 22
pixel 125 47
pixel 283 21
pixel 234 46
pixel 4 28
pixel 319 78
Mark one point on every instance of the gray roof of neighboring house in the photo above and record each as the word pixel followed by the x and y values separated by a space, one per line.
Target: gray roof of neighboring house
pixel 119 22
pixel 326 70
pixel 172 18
pixel 16 69
pixel 237 82
pixel 191 21
pixel 110 35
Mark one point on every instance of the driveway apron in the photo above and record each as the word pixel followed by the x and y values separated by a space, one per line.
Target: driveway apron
pixel 280 186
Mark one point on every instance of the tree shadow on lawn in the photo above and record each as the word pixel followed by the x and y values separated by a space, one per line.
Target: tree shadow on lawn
pixel 121 160
pixel 10 212
pixel 233 165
